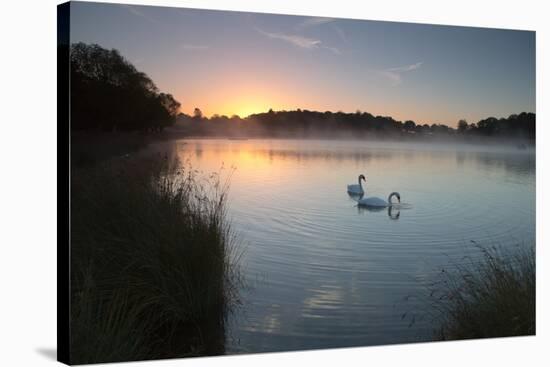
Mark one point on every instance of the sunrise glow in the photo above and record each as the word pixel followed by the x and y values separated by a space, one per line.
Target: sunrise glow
pixel 229 63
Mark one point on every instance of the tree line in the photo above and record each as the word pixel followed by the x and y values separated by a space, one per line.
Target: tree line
pixel 359 124
pixel 109 94
pixel 515 126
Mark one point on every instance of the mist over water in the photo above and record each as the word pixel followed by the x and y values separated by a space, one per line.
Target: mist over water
pixel 322 272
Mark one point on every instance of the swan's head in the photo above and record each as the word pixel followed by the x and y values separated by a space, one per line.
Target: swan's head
pixel 362 177
pixel 396 194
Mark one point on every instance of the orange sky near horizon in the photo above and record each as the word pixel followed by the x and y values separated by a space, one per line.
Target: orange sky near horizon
pixel 240 94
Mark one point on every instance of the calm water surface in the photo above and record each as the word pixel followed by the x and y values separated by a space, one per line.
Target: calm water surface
pixel 321 272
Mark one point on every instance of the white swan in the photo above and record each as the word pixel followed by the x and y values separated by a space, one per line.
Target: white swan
pixel 357 189
pixel 377 202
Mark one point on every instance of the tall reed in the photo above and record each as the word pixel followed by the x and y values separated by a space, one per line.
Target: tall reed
pixel 490 296
pixel 154 262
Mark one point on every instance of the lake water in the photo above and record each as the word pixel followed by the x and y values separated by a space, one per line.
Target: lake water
pixel 321 272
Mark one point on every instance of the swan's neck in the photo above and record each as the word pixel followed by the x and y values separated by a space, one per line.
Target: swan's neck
pixel 360 185
pixel 392 195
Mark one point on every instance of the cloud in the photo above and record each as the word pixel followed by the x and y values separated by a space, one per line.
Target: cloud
pixel 395 78
pixel 402 69
pixel 317 21
pixel 333 49
pixel 296 40
pixel 195 47
pixel 394 74
pixel 135 11
pixel 299 41
pixel 340 33
pixel 313 22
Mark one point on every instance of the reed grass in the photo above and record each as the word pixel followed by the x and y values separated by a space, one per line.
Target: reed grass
pixel 154 262
pixel 491 296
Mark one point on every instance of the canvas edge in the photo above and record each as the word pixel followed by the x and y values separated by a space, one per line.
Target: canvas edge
pixel 63 183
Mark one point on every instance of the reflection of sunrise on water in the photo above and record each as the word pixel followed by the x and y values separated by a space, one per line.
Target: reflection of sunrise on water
pixel 325 259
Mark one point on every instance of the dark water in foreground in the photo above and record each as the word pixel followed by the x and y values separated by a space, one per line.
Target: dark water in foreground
pixel 322 272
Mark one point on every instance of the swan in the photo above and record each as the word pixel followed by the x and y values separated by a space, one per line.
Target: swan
pixel 379 203
pixel 357 189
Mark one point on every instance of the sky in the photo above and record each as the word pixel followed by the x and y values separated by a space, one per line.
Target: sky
pixel 242 63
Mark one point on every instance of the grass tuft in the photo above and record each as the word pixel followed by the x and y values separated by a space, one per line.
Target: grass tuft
pixel 491 296
pixel 154 267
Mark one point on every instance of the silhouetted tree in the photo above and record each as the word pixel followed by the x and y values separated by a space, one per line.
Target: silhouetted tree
pixel 197 114
pixel 108 93
pixel 462 126
pixel 409 125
